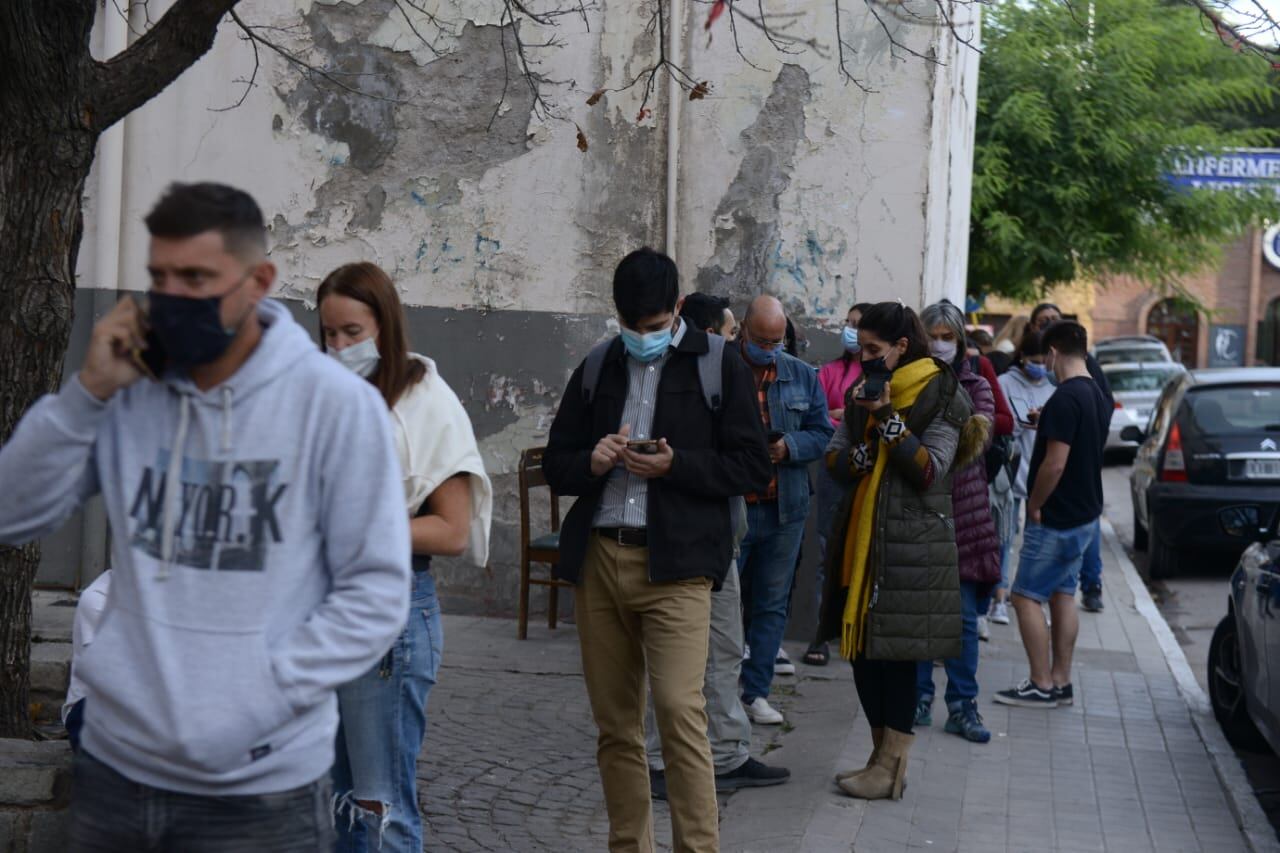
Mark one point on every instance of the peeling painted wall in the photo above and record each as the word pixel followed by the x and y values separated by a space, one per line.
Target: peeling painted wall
pixel 502 235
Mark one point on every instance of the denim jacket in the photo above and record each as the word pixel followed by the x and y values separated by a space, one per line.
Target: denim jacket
pixel 798 407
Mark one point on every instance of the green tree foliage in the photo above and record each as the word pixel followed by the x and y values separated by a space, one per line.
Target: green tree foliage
pixel 1081 114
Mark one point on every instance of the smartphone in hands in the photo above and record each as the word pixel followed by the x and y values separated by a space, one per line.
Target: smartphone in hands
pixel 647 446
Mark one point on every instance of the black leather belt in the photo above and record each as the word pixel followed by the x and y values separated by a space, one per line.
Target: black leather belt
pixel 632 537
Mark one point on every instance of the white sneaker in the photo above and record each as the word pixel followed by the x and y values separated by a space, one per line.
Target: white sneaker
pixel 782 664
pixel 984 629
pixel 1000 613
pixel 762 713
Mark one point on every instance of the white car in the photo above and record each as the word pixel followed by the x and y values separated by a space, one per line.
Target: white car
pixel 1136 386
pixel 1131 348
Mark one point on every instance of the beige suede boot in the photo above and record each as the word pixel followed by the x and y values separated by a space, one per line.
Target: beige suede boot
pixel 887 778
pixel 877 737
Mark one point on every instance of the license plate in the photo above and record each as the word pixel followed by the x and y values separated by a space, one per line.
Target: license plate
pixel 1262 469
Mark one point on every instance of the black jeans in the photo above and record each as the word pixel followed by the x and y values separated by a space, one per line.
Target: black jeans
pixel 110 814
pixel 887 691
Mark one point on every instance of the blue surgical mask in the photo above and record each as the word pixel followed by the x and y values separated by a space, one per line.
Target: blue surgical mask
pixel 646 347
pixel 1034 371
pixel 849 337
pixel 758 355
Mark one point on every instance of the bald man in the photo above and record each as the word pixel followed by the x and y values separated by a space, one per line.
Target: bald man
pixel 792 407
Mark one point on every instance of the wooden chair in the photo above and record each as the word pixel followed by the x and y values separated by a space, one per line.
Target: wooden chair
pixel 543 548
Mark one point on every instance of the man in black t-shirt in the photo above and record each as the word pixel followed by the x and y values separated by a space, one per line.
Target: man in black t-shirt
pixel 1042 317
pixel 1064 503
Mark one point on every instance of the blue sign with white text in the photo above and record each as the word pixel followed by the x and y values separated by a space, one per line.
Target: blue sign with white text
pixel 1236 169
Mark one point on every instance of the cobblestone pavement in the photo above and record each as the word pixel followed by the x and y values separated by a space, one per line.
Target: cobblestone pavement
pixel 509 762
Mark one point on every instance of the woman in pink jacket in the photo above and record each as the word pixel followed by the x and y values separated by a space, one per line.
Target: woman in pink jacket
pixel 836 378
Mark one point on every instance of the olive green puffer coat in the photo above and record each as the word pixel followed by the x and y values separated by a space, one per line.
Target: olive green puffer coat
pixel 914 609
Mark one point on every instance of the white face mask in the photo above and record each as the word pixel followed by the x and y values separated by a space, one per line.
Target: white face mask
pixel 361 359
pixel 943 350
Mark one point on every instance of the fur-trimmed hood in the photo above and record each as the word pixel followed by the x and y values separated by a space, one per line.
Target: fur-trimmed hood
pixel 975 435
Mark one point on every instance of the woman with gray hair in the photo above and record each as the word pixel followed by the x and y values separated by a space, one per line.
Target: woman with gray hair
pixel 977 541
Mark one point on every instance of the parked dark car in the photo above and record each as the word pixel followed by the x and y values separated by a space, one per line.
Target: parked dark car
pixel 1207 472
pixel 1244 655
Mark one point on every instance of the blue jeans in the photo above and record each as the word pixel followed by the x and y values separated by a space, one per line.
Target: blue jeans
pixel 112 814
pixel 1050 560
pixel 383 717
pixel 768 564
pixel 1091 568
pixel 962 672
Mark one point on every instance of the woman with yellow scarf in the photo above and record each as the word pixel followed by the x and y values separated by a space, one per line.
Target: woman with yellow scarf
pixel 893 589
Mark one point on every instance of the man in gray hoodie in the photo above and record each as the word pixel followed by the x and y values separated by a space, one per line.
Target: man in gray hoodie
pixel 260 548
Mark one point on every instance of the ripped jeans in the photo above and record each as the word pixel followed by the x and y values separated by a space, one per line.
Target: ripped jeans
pixel 382 722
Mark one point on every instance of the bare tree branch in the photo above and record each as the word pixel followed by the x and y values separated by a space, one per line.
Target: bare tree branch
pixel 127 81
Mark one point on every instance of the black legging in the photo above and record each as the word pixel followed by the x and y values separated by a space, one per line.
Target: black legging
pixel 887 691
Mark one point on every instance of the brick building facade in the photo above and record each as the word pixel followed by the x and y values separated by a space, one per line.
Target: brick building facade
pixel 1241 326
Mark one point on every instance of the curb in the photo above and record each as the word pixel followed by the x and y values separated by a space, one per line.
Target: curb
pixel 1245 807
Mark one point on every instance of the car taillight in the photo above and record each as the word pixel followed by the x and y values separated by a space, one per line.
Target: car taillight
pixel 1174 469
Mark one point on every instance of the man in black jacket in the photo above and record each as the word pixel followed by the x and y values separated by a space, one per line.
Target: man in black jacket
pixel 653 467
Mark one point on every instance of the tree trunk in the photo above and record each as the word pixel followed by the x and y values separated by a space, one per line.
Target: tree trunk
pixel 47 141
pixel 39 237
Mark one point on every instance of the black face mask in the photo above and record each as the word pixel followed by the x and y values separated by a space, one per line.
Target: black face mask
pixel 875 367
pixel 189 329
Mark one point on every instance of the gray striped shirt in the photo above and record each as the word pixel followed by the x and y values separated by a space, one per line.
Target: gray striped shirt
pixel 625 501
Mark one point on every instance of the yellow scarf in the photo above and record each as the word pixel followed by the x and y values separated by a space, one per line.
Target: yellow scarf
pixel 907 383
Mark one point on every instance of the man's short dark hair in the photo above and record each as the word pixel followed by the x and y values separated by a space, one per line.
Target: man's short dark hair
pixel 186 210
pixel 645 283
pixel 1066 337
pixel 704 311
pixel 980 337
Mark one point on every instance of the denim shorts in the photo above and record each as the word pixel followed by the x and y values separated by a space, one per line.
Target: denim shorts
pixel 1050 560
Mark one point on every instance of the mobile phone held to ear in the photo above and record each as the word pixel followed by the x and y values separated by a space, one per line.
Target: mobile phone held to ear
pixel 152 361
pixel 646 446
pixel 872 386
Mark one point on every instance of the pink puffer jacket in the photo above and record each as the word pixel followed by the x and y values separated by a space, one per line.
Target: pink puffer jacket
pixel 976 536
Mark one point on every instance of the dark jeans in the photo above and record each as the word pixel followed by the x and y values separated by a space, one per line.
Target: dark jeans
pixel 887 691
pixel 110 814
pixel 768 562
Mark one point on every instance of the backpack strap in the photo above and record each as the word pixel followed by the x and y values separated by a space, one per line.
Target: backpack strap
pixel 591 368
pixel 710 376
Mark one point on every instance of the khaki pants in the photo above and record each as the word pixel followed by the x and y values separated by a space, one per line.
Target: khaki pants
pixel 728 726
pixel 627 625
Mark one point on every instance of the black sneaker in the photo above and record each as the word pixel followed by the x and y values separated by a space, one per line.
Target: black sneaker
pixel 1064 694
pixel 752 774
pixel 1092 601
pixel 657 784
pixel 1027 695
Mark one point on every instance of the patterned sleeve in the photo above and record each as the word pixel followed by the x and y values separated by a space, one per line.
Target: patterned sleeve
pixel 921 459
pixel 846 460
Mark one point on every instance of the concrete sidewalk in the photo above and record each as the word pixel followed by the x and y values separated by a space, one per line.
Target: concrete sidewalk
pixel 509 762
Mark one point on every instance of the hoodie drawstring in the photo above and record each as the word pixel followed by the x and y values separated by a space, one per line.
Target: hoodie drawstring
pixel 173 489
pixel 226 419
